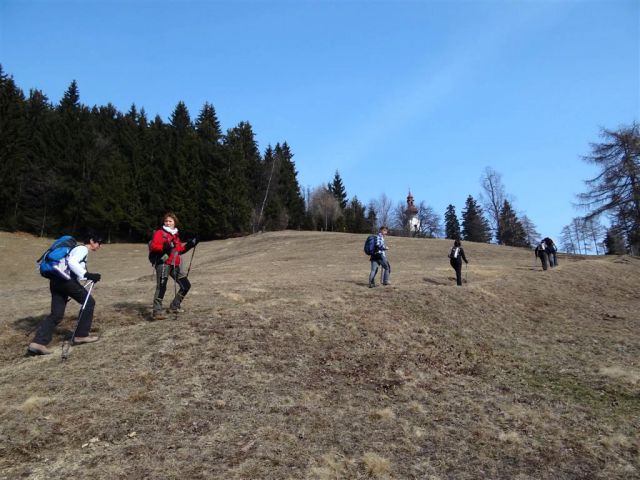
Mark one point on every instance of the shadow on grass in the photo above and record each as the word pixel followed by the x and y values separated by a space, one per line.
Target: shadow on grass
pixel 28 324
pixel 136 309
pixel 436 282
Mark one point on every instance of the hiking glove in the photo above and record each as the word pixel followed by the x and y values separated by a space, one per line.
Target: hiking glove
pixel 164 257
pixel 94 277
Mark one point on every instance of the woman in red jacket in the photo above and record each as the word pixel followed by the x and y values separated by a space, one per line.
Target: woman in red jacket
pixel 166 248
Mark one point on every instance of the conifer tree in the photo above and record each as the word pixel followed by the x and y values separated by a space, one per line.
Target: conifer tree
pixel 336 187
pixel 452 225
pixel 76 164
pixel 355 219
pixel 372 217
pixel 185 168
pixel 43 180
pixel 511 231
pixel 13 149
pixel 213 212
pixel 288 187
pixel 241 155
pixel 475 227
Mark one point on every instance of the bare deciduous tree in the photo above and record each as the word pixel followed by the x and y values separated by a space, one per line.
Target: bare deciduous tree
pixel 400 219
pixel 325 206
pixel 493 197
pixel 430 223
pixel 530 230
pixel 383 210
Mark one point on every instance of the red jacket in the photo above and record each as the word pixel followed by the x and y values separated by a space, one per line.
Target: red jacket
pixel 161 239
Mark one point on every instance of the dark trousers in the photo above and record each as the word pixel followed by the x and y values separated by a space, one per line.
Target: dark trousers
pixel 544 258
pixel 163 272
pixel 61 291
pixel 457 266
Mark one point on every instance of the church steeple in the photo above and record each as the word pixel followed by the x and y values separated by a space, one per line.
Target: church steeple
pixel 411 208
pixel 412 215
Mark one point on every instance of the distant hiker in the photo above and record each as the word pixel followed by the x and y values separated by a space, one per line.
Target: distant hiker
pixel 165 249
pixel 456 256
pixel 64 283
pixel 552 251
pixel 379 258
pixel 541 253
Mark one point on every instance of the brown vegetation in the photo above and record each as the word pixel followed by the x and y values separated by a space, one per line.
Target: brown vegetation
pixel 286 365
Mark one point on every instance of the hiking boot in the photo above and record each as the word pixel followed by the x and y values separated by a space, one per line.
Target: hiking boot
pixel 36 349
pixel 83 340
pixel 176 310
pixel 372 285
pixel 159 315
pixel 386 284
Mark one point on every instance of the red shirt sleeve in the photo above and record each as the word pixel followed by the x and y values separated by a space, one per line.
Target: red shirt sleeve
pixel 157 242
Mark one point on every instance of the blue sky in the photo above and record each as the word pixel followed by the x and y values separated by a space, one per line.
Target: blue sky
pixel 393 94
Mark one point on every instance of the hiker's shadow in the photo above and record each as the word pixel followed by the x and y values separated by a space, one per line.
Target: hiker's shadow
pixel 133 309
pixel 29 325
pixel 434 281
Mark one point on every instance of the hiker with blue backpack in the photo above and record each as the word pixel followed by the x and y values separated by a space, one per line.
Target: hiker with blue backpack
pixel 165 250
pixel 456 256
pixel 65 265
pixel 376 248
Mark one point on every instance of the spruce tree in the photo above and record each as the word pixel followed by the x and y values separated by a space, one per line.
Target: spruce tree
pixel 336 187
pixel 355 219
pixel 212 209
pixel 241 156
pixel 475 227
pixel 13 150
pixel 511 230
pixel 43 180
pixel 74 159
pixel 288 188
pixel 452 225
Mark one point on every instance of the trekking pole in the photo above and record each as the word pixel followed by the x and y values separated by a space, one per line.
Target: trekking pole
pixel 191 261
pixel 67 343
pixel 175 275
pixel 466 270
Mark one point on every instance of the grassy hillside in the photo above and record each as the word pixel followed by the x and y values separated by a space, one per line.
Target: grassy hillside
pixel 286 365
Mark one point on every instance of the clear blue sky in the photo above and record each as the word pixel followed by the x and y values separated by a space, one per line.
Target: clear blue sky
pixel 393 94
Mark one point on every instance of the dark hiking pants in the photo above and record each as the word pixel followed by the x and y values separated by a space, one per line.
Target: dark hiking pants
pixel 457 266
pixel 163 272
pixel 61 291
pixel 544 258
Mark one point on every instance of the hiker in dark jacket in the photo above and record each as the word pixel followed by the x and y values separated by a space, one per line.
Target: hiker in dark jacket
pixel 167 248
pixel 379 258
pixel 62 289
pixel 456 256
pixel 541 253
pixel 552 251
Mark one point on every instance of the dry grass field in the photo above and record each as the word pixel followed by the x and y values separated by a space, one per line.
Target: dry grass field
pixel 286 366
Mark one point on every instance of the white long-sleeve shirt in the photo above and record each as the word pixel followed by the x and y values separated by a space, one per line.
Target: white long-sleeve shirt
pixel 77 261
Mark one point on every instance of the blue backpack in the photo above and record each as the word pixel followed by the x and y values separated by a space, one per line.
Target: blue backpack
pixel 53 262
pixel 370 245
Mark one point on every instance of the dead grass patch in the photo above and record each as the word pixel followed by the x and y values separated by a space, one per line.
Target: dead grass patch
pixel 34 404
pixel 376 465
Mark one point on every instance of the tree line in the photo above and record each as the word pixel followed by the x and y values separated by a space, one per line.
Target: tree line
pixel 66 167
